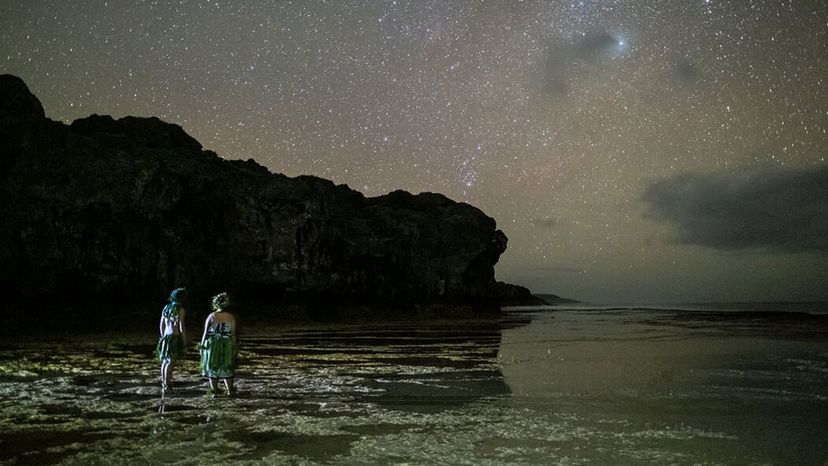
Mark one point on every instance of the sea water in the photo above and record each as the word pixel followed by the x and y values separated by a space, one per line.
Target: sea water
pixel 579 385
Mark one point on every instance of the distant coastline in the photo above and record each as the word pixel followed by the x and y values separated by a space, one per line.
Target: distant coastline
pixel 750 307
pixel 553 299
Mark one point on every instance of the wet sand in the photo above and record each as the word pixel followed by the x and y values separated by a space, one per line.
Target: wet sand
pixel 536 387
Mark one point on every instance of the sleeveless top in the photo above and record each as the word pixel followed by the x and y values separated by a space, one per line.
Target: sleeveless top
pixel 171 312
pixel 220 329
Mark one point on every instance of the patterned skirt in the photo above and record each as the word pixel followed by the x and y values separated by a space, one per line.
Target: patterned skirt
pixel 169 347
pixel 218 357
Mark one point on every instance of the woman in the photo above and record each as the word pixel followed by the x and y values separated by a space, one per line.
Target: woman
pixel 170 345
pixel 218 345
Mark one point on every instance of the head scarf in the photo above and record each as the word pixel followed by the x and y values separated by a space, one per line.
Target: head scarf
pixel 221 301
pixel 172 309
pixel 178 295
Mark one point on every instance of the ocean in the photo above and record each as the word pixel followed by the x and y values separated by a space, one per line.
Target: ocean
pixel 629 384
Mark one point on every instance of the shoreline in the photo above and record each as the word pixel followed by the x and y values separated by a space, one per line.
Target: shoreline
pixel 51 319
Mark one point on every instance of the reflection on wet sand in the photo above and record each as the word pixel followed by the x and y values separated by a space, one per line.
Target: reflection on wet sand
pixel 565 387
pixel 683 387
pixel 304 393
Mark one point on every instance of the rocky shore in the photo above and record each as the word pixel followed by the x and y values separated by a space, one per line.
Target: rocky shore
pixel 106 210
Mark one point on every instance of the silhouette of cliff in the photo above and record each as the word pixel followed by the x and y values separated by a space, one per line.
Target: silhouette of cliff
pixel 127 209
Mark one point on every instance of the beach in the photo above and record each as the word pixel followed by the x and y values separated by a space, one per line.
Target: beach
pixel 542 385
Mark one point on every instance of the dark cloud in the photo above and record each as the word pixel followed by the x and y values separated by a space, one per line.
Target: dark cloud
pixel 779 209
pixel 595 44
pixel 562 58
pixel 545 222
pixel 557 63
pixel 688 72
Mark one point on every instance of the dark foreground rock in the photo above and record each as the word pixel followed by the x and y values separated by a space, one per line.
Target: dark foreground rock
pixel 107 210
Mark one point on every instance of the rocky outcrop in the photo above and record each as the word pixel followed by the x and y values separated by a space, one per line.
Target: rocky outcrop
pixel 515 295
pixel 131 208
pixel 553 299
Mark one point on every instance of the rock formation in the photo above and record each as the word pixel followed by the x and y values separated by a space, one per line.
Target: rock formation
pixel 515 295
pixel 127 209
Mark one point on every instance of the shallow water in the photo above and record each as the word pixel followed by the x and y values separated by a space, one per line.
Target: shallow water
pixel 624 386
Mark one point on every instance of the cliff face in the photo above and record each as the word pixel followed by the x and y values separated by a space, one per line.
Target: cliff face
pixel 127 208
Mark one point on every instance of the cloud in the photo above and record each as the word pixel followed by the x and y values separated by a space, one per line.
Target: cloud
pixel 562 59
pixel 777 210
pixel 688 72
pixel 556 69
pixel 594 44
pixel 545 222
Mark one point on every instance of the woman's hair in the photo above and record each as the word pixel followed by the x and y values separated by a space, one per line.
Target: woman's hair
pixel 178 295
pixel 221 301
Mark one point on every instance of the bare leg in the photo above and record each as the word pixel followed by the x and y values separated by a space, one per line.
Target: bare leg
pixel 228 383
pixel 213 384
pixel 168 376
pixel 164 374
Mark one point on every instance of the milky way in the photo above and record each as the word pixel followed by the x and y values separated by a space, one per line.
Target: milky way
pixel 571 123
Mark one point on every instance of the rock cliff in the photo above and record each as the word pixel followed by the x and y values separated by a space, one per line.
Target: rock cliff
pixel 128 209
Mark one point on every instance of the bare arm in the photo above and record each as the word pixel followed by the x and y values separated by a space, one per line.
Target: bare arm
pixel 161 326
pixel 206 326
pixel 181 326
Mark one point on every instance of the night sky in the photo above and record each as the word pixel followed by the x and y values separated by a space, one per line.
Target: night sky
pixel 632 151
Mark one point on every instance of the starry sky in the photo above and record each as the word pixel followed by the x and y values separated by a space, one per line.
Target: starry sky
pixel 632 151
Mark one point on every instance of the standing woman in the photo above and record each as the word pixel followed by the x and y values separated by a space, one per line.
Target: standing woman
pixel 218 345
pixel 170 345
